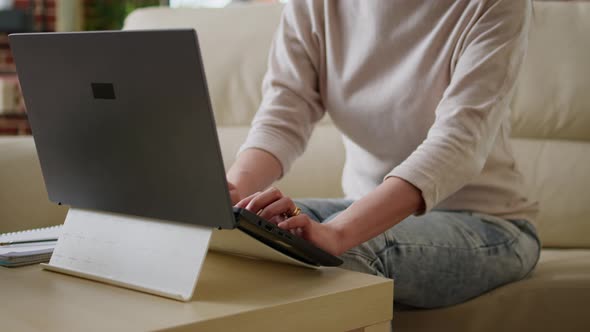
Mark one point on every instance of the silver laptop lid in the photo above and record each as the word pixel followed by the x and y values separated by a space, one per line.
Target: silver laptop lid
pixel 122 123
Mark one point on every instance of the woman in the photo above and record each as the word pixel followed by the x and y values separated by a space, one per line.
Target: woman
pixel 420 91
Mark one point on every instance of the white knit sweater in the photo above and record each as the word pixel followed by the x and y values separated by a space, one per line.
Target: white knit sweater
pixel 420 89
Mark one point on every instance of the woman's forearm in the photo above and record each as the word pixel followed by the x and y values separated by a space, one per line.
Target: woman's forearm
pixel 384 207
pixel 253 171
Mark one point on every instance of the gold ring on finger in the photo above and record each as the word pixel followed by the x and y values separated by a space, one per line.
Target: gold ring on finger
pixel 295 212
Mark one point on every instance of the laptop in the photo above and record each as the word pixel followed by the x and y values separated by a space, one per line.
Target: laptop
pixel 122 123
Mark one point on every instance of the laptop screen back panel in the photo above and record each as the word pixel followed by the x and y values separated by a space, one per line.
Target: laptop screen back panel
pixel 122 123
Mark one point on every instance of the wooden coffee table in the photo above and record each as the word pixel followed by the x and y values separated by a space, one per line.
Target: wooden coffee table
pixel 233 294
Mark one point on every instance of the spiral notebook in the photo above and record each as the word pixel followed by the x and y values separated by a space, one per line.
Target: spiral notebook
pixel 28 247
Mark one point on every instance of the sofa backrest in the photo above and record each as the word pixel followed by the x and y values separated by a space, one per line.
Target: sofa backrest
pixel 551 109
pixel 551 121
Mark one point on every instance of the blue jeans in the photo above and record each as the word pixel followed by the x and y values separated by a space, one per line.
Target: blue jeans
pixel 441 258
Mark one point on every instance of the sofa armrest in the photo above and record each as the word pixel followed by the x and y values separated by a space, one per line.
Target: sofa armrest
pixel 23 199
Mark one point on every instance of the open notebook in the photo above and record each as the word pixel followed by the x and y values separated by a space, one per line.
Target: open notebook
pixel 21 248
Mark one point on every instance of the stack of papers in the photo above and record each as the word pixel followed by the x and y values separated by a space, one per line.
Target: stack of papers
pixel 28 247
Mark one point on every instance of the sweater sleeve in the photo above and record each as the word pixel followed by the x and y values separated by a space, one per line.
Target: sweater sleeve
pixel 474 105
pixel 291 102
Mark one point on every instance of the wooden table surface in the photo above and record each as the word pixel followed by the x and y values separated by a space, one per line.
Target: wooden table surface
pixel 233 294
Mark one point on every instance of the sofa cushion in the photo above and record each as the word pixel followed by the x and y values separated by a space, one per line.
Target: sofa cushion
pixel 557 177
pixel 552 99
pixel 553 298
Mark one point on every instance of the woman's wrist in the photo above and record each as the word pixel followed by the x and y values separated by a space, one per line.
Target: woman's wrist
pixel 340 243
pixel 394 200
pixel 253 171
pixel 239 179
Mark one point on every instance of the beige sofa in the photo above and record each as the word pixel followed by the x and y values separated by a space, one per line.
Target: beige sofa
pixel 551 129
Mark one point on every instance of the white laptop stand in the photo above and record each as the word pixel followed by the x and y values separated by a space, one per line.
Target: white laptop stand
pixel 149 255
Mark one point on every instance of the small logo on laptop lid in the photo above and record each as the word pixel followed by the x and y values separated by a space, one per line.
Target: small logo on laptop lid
pixel 103 90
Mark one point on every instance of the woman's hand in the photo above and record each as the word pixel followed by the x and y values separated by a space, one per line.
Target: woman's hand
pixel 273 206
pixel 323 236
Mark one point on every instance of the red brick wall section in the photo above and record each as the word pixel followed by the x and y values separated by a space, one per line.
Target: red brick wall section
pixel 6 62
pixel 44 12
pixel 13 120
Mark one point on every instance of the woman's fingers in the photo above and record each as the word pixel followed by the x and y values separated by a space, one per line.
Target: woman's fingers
pixel 269 204
pixel 301 221
pixel 281 207
pixel 298 225
pixel 264 199
pixel 244 202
